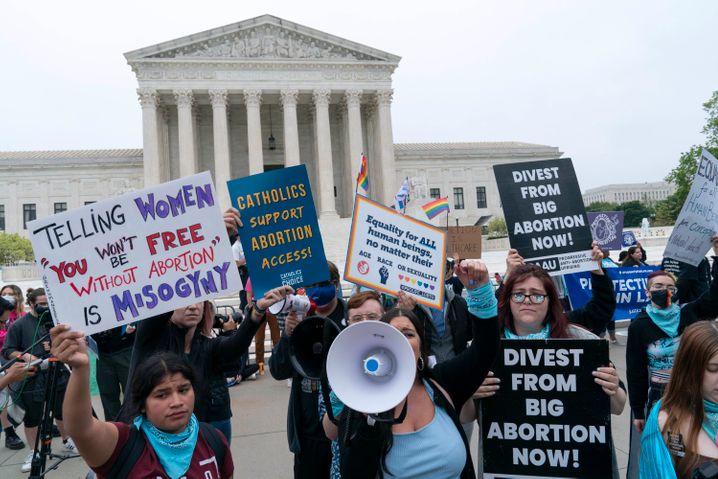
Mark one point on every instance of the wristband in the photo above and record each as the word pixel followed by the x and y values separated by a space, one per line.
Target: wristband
pixel 482 301
pixel 258 309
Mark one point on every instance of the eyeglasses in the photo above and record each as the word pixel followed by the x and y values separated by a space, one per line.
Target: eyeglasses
pixel 361 317
pixel 660 287
pixel 534 298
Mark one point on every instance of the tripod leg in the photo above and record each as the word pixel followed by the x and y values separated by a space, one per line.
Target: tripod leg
pixel 43 441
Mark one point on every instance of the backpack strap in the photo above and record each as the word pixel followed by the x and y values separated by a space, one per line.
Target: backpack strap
pixel 211 435
pixel 129 455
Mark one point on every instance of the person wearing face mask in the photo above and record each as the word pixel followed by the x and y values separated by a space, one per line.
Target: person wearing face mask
pixel 22 334
pixel 7 309
pixel 653 338
pixel 311 448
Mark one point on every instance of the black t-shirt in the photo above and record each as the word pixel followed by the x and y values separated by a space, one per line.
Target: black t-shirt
pixel 309 397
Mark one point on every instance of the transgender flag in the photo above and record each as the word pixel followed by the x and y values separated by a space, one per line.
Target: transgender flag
pixel 436 207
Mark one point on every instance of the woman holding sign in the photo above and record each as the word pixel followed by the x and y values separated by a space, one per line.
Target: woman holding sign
pixel 530 308
pixel 679 440
pixel 165 438
pixel 430 442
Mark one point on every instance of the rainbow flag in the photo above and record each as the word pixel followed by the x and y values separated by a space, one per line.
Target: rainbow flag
pixel 363 178
pixel 436 207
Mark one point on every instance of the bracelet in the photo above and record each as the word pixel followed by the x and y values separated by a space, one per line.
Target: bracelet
pixel 258 309
pixel 482 301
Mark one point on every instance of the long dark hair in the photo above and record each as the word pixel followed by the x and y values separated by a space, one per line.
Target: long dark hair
pixel 151 372
pixel 386 436
pixel 555 316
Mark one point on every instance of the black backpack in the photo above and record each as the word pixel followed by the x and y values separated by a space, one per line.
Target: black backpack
pixel 136 441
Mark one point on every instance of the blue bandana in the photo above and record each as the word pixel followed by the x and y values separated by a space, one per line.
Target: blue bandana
pixel 173 450
pixel 710 419
pixel 666 318
pixel 545 333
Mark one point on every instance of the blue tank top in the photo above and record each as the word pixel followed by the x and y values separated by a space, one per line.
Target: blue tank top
pixel 435 451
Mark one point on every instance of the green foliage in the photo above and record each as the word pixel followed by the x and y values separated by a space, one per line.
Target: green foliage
pixel 634 212
pixel 497 227
pixel 602 206
pixel 682 175
pixel 14 248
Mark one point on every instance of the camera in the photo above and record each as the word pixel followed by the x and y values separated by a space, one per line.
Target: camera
pixel 45 316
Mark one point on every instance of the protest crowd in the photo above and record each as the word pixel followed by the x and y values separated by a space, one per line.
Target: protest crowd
pixel 519 358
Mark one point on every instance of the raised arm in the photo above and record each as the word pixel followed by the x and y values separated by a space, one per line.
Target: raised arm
pixel 96 440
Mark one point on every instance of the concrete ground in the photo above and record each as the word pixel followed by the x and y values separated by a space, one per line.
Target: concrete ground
pixel 259 441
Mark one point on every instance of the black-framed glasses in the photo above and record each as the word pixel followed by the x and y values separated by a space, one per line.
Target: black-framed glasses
pixel 534 298
pixel 659 287
pixel 362 317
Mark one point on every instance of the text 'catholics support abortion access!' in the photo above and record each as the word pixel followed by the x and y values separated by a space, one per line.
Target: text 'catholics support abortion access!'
pixel 549 418
pixel 280 233
pixel 544 214
pixel 135 256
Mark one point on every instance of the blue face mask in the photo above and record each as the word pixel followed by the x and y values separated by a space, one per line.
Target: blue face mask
pixel 322 295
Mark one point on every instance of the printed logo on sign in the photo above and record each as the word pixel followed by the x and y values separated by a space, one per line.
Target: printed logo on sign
pixel 603 229
pixel 363 267
pixel 292 277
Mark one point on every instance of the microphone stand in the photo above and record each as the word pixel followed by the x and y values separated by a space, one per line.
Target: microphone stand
pixel 17 358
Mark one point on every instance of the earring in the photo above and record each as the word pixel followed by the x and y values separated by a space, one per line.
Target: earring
pixel 420 364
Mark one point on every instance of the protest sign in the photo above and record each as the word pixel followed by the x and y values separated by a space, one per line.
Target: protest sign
pixel 607 228
pixel 280 233
pixel 465 241
pixel 698 221
pixel 549 418
pixel 629 284
pixel 629 239
pixel 545 216
pixel 390 252
pixel 135 256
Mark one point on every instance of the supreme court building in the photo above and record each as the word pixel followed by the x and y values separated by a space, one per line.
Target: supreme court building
pixel 257 95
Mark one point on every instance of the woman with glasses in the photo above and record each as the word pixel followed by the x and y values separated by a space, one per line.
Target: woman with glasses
pixel 530 308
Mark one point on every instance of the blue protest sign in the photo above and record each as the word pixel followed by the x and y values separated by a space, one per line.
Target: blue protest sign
pixel 629 284
pixel 606 228
pixel 280 233
pixel 629 239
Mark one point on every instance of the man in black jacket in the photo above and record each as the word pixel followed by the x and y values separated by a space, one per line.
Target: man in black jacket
pixel 305 434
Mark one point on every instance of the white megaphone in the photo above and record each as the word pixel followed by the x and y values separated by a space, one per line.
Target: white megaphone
pixel 299 303
pixel 371 367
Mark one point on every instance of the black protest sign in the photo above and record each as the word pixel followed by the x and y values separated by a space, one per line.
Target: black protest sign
pixel 549 418
pixel 545 216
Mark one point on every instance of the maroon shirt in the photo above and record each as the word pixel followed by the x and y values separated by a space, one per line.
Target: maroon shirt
pixel 203 464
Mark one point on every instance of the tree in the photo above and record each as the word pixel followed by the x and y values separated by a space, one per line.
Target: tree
pixel 497 227
pixel 602 206
pixel 14 248
pixel 634 212
pixel 682 175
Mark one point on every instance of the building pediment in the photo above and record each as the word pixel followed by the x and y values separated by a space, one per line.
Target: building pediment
pixel 263 38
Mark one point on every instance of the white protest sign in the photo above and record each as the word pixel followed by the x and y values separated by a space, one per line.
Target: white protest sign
pixel 390 252
pixel 698 220
pixel 135 256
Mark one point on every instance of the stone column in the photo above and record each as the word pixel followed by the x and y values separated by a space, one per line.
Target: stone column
pixel 12 209
pixel 291 131
pixel 185 125
pixel 354 134
pixel 253 100
pixel 150 100
pixel 325 169
pixel 220 133
pixel 389 186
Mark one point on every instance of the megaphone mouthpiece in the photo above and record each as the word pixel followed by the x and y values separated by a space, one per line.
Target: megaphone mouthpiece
pixel 379 364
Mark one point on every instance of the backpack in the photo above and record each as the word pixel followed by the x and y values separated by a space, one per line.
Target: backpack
pixel 136 441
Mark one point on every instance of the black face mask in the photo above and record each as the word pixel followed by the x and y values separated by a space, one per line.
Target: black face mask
pixel 661 298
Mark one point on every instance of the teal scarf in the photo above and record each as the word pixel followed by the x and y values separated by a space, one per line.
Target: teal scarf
pixel 710 420
pixel 667 319
pixel 655 458
pixel 173 450
pixel 545 333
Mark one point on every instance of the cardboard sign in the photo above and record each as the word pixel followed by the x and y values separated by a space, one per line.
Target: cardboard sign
pixel 280 233
pixel 698 221
pixel 135 256
pixel 629 284
pixel 390 252
pixel 607 228
pixel 465 241
pixel 549 418
pixel 545 215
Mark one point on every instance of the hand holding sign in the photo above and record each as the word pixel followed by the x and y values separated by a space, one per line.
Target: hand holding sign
pixel 69 346
pixel 513 259
pixel 232 221
pixel 489 387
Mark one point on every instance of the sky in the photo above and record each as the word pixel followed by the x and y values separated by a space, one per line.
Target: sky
pixel 618 86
